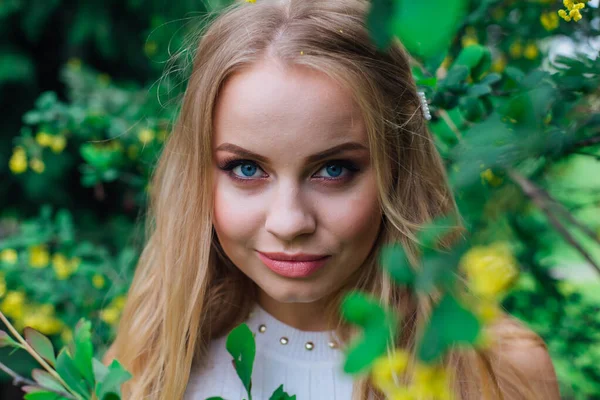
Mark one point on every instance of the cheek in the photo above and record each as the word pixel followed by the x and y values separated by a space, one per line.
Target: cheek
pixel 356 218
pixel 236 217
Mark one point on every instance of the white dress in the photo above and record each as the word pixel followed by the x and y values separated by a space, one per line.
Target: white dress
pixel 309 374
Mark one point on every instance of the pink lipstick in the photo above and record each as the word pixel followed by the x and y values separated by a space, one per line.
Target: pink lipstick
pixel 293 265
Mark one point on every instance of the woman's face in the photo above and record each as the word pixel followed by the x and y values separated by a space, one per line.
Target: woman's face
pixel 292 175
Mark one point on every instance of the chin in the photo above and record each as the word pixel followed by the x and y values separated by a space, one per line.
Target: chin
pixel 293 292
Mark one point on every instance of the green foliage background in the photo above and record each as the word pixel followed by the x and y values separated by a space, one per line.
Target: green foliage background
pixel 93 73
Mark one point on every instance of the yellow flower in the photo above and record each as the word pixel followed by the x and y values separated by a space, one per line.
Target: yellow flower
pixel 39 256
pixel 98 281
pixel 492 179
pixel 431 381
pixel 66 335
pixel 37 165
pixel 446 63
pixel 74 63
pixel 250 1
pixel 9 256
pixel 486 310
pixel 150 48
pixel 387 367
pixel 516 49
pixel 499 64
pixel 18 161
pixel 119 302
pixel 43 139
pixel 133 151
pixel 549 21
pixel 573 7
pixel 42 319
pixel 62 267
pixel 490 270
pixel 13 304
pixel 2 285
pixel 110 315
pixel 146 136
pixel 467 40
pixel 531 51
pixel 58 143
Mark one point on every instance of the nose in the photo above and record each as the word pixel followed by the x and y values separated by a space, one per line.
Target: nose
pixel 289 215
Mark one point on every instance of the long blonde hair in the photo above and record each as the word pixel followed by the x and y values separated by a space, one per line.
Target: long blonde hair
pixel 186 292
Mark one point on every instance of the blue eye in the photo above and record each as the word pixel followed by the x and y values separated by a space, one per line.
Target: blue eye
pixel 336 168
pixel 247 169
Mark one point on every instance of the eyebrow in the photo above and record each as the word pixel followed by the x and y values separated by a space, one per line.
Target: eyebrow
pixel 348 146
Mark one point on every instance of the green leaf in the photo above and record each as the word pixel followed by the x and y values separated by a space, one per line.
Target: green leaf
pixel 110 387
pixel 100 370
pixel 431 232
pixel 280 394
pixel 477 58
pixel 413 22
pixel 490 79
pixel 41 344
pixel 479 90
pixel 450 324
pixel 6 340
pixel 42 396
pixel 83 350
pixel 16 67
pixel 394 260
pixel 214 398
pixel 379 327
pixel 456 76
pixel 242 347
pixel 68 372
pixel 47 381
pixel 379 22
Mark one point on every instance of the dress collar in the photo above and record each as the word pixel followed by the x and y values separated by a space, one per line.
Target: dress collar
pixel 277 339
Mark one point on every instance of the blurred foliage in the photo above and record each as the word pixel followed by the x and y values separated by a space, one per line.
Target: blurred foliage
pixel 86 108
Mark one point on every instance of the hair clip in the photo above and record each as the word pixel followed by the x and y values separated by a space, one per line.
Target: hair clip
pixel 424 106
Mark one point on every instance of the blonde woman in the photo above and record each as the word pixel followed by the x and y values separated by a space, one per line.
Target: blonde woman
pixel 299 151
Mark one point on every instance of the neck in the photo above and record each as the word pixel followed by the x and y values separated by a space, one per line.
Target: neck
pixel 302 316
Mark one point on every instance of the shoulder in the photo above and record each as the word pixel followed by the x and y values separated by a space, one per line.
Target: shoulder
pixel 524 351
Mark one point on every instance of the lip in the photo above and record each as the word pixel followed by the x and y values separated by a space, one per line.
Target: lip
pixel 293 265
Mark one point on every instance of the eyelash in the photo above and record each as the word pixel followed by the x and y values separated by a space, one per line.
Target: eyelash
pixel 229 164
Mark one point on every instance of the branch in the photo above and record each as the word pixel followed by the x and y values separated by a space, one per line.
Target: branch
pixel 18 380
pixel 587 142
pixel 533 192
pixel 35 355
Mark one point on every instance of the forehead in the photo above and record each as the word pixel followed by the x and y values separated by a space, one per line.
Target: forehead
pixel 270 107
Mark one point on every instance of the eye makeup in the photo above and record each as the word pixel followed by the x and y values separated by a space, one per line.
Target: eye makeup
pixel 229 164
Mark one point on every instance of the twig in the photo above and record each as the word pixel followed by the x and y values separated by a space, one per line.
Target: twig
pixel 534 193
pixel 587 142
pixel 450 123
pixel 35 355
pixel 567 214
pixel 18 380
